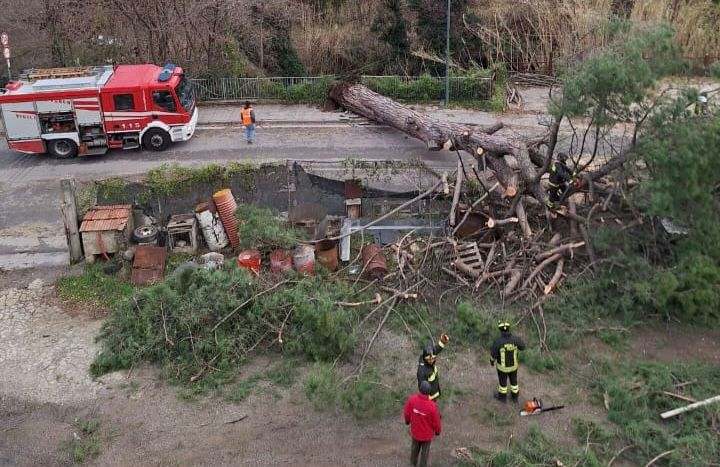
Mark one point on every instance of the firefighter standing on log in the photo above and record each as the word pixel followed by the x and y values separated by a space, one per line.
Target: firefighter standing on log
pixel 427 371
pixel 504 356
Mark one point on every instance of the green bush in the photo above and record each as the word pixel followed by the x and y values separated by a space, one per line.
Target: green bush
pixel 261 228
pixel 322 387
pixel 539 362
pixel 368 399
pixel 200 324
pixel 473 327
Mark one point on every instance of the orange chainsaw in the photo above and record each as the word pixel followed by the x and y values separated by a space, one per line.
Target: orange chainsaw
pixel 535 406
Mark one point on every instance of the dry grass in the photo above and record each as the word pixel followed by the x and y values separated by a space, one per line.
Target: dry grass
pixel 695 21
pixel 538 35
pixel 338 39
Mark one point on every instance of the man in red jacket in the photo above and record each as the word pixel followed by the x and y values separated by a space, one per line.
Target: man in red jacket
pixel 423 416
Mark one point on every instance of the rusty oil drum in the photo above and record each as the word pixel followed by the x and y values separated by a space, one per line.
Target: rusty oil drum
pixel 326 253
pixel 280 261
pixel 374 261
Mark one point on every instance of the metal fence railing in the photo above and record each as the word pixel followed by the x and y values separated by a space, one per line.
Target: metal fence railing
pixel 314 88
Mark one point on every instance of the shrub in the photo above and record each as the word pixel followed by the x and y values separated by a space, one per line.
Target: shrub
pixel 365 397
pixel 368 399
pixel 200 324
pixel 322 387
pixel 260 227
pixel 473 327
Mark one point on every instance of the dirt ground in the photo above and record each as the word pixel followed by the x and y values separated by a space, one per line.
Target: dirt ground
pixel 47 348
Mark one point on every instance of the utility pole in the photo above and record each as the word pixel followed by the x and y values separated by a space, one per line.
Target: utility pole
pixel 447 55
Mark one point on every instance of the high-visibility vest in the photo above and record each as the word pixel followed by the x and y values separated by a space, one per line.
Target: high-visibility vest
pixel 246 115
pixel 508 358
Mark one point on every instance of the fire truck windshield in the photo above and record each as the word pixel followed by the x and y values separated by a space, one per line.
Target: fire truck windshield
pixel 184 91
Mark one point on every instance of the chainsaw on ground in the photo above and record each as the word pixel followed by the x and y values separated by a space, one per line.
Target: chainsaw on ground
pixel 535 406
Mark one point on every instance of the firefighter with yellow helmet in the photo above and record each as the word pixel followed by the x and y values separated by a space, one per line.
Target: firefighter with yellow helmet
pixel 504 356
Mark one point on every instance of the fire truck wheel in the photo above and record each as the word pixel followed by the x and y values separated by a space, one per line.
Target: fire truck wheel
pixel 156 139
pixel 62 148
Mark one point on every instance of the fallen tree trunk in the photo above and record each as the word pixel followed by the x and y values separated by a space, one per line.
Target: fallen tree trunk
pixel 436 134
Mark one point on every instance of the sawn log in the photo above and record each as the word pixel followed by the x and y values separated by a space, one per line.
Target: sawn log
pixel 436 134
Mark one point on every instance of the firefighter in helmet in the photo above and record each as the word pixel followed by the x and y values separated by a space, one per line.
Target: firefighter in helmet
pixel 504 356
pixel 427 371
pixel 560 178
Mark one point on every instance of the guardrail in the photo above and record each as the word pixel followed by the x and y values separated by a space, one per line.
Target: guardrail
pixel 314 88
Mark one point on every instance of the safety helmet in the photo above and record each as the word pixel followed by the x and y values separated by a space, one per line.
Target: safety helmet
pixel 504 326
pixel 428 351
pixel 425 388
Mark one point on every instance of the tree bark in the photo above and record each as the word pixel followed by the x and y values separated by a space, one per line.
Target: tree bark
pixel 435 134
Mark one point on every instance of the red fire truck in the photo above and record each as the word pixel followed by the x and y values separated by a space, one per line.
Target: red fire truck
pixel 71 111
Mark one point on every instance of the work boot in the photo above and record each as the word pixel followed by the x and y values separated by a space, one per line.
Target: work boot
pixel 500 397
pixel 515 397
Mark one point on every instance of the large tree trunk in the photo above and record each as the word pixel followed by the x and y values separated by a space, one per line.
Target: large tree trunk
pixel 436 134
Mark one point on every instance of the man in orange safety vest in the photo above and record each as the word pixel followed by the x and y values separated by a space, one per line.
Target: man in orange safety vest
pixel 247 115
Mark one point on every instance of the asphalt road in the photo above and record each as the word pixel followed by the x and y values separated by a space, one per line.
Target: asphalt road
pixel 321 142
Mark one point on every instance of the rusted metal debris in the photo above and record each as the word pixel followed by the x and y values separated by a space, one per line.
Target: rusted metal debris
pixel 148 265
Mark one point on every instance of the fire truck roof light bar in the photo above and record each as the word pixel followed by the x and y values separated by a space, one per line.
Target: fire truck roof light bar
pixel 167 72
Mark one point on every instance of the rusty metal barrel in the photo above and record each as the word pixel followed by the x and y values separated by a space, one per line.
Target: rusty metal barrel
pixel 326 253
pixel 374 261
pixel 280 261
pixel 304 259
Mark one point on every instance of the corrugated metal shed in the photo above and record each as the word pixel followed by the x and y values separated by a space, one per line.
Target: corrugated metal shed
pixel 103 218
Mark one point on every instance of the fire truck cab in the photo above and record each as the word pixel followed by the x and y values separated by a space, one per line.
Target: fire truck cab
pixel 83 111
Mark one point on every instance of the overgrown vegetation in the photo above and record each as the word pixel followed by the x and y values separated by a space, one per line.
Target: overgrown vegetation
pixel 635 395
pixel 647 269
pixel 173 179
pixel 95 287
pixel 167 181
pixel 636 399
pixel 366 397
pixel 85 443
pixel 208 321
pixel 261 227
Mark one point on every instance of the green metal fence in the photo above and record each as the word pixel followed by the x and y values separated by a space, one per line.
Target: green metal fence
pixel 314 88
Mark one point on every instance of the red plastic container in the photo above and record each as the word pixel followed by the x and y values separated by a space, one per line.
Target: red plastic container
pixel 280 261
pixel 226 207
pixel 250 259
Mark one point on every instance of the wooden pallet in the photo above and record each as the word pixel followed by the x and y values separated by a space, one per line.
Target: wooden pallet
pixel 468 259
